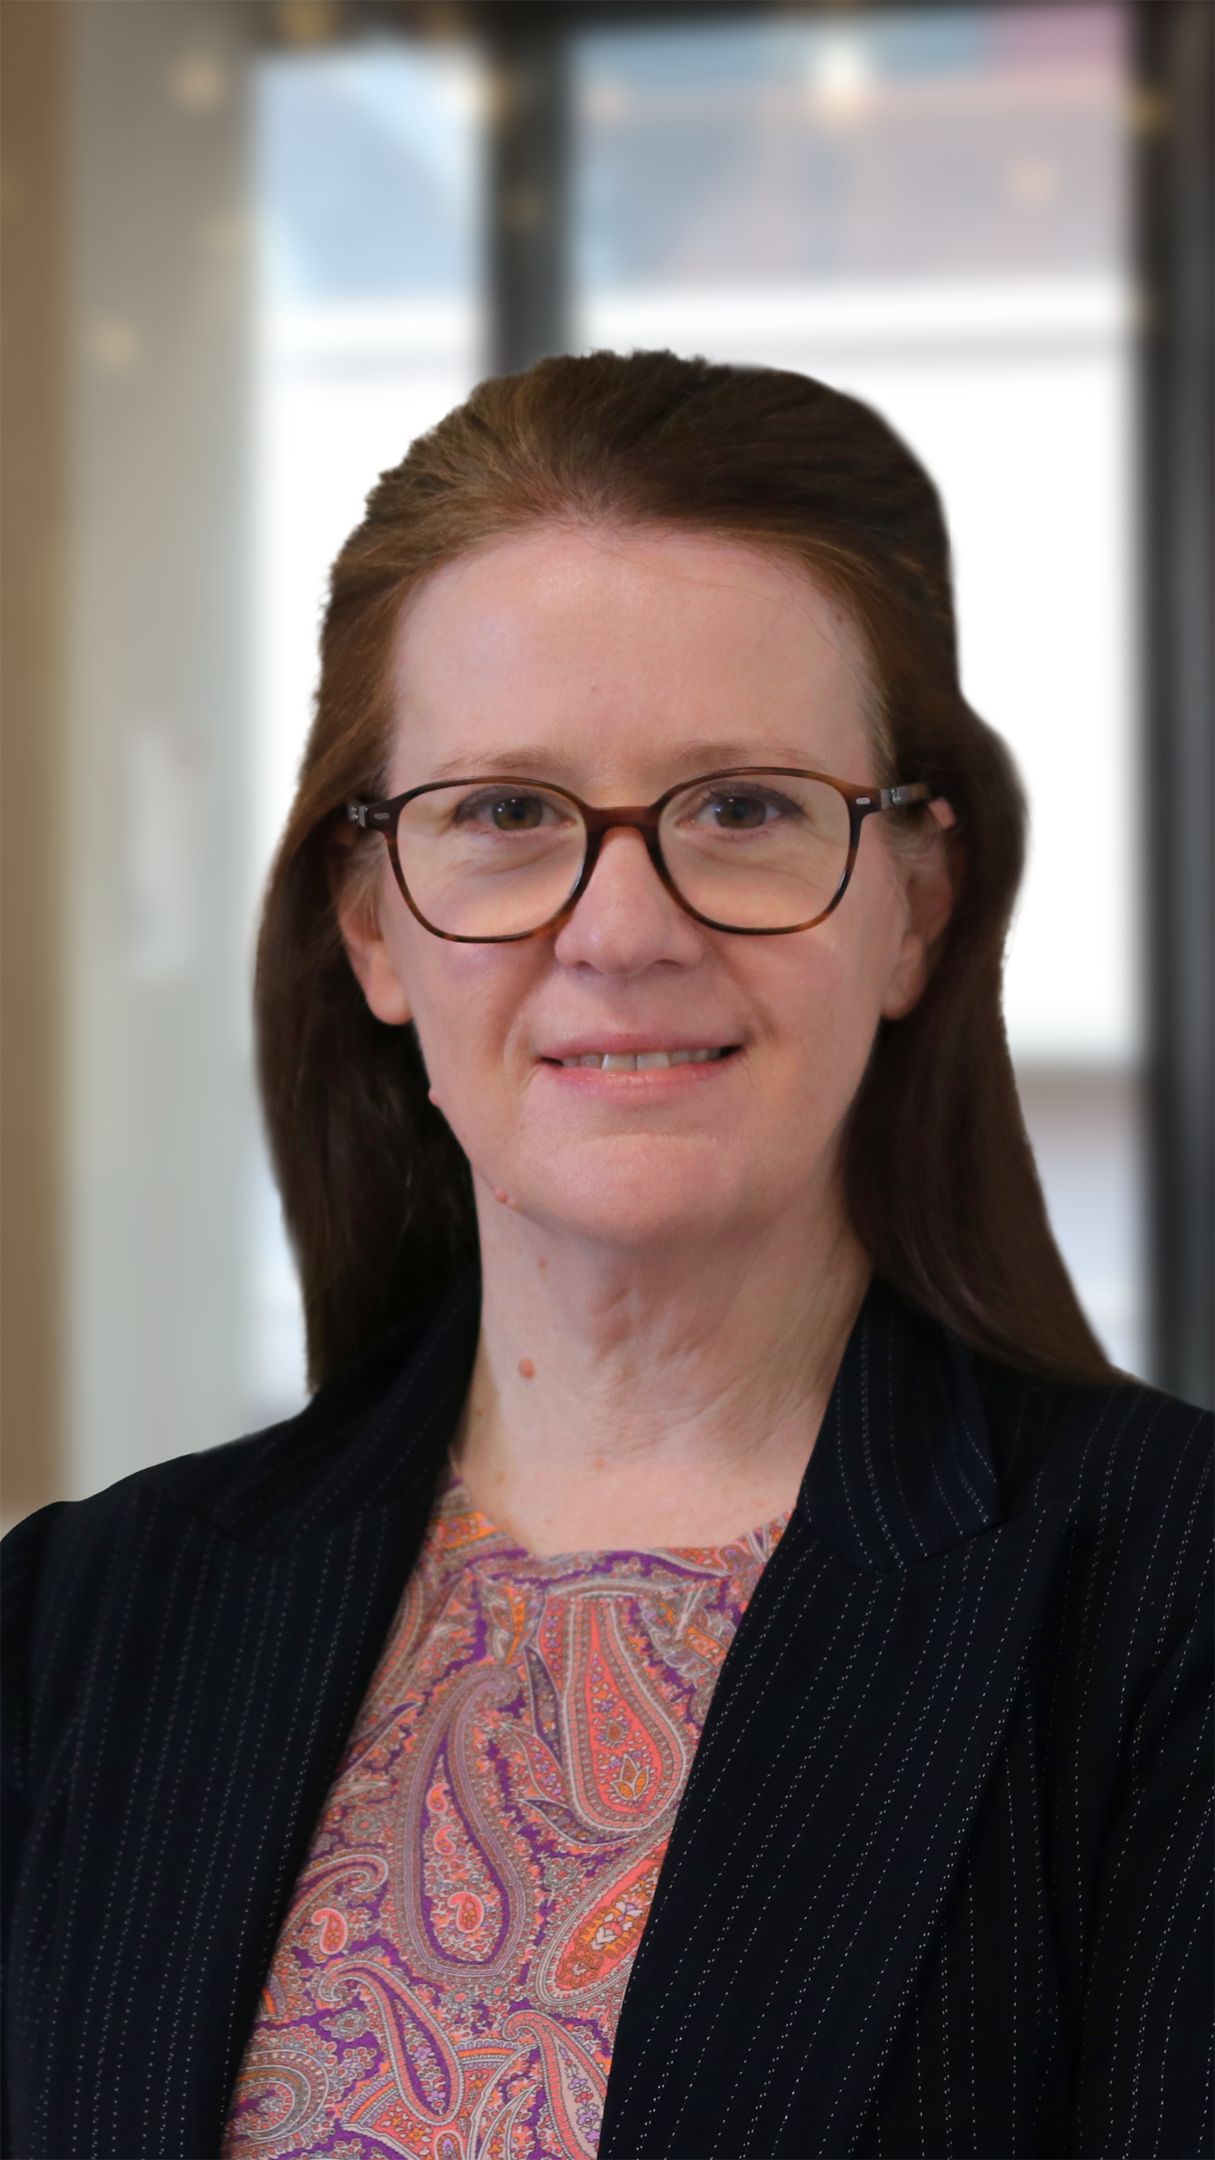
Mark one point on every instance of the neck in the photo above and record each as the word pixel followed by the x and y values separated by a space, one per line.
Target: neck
pixel 640 1401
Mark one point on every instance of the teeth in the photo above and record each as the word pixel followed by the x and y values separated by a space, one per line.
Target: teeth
pixel 645 1059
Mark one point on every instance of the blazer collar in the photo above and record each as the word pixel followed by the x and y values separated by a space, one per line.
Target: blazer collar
pixel 902 1468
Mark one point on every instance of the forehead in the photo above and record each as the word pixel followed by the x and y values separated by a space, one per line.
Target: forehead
pixel 575 637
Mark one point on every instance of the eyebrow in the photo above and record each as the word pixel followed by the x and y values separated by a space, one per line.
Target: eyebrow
pixel 535 761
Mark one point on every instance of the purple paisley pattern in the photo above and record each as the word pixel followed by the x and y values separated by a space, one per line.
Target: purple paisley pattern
pixel 449 1973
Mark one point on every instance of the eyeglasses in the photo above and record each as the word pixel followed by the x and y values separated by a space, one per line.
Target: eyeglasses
pixel 486 860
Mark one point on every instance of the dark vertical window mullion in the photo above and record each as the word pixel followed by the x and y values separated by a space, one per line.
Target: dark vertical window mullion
pixel 527 176
pixel 1174 244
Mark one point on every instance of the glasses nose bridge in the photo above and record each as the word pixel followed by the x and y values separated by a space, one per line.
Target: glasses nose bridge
pixel 642 818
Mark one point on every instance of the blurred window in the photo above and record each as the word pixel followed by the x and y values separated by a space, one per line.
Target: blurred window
pixel 371 325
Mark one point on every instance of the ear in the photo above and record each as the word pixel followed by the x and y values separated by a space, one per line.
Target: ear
pixel 357 906
pixel 930 885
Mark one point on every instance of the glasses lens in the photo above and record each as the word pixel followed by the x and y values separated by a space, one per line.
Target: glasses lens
pixel 490 861
pixel 757 851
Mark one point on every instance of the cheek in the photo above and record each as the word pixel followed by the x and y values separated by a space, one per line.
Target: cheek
pixel 468 1009
pixel 860 950
pixel 827 1021
pixel 823 998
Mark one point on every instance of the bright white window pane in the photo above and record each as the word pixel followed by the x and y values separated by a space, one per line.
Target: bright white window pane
pixel 928 208
pixel 371 326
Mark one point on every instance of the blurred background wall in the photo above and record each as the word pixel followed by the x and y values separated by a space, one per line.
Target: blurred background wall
pixel 251 250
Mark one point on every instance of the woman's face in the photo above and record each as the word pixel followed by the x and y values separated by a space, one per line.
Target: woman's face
pixel 600 659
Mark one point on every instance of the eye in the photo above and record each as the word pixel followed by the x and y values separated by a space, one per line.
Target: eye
pixel 517 810
pixel 749 799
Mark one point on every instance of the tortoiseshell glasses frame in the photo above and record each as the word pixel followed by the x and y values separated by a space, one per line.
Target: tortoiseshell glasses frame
pixel 862 802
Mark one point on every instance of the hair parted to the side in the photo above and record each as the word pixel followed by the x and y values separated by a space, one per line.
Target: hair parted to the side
pixel 940 1177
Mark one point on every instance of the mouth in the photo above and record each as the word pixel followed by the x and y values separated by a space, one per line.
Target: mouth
pixel 651 1078
pixel 643 1061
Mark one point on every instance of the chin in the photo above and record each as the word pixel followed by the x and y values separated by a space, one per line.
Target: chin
pixel 640 1208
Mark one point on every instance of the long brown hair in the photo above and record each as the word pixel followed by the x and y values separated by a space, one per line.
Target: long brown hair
pixel 940 1177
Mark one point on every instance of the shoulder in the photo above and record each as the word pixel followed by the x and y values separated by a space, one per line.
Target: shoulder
pixel 1103 1439
pixel 74 1567
pixel 57 1562
pixel 63 1566
pixel 1133 1466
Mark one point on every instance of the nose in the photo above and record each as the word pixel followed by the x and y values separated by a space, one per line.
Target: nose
pixel 626 917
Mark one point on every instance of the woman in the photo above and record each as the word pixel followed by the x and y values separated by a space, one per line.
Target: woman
pixel 721 1665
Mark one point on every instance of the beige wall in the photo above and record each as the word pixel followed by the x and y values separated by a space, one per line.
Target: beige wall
pixel 130 1120
pixel 32 644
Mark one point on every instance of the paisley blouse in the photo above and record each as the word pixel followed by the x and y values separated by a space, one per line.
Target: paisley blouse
pixel 450 1968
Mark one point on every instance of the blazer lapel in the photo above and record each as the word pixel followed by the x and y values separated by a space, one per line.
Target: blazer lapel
pixel 335 1513
pixel 247 1599
pixel 848 1741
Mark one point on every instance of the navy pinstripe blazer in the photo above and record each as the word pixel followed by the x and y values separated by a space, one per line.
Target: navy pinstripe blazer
pixel 940 1881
